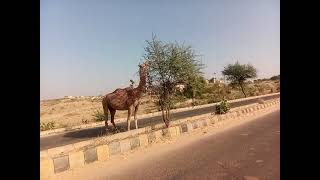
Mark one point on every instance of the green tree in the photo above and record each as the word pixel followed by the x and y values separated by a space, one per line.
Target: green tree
pixel 169 65
pixel 195 87
pixel 275 78
pixel 238 73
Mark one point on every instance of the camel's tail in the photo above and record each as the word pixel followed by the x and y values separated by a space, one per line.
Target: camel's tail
pixel 105 108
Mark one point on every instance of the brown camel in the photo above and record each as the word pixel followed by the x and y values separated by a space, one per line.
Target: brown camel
pixel 125 99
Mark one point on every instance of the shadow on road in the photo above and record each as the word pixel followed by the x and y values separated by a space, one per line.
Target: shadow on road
pixel 122 126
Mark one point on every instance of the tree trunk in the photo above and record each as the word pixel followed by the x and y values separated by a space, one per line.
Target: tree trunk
pixel 242 90
pixel 162 110
pixel 193 94
pixel 165 108
pixel 165 115
pixel 168 117
pixel 167 121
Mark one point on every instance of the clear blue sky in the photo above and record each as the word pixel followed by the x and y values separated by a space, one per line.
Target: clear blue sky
pixel 91 47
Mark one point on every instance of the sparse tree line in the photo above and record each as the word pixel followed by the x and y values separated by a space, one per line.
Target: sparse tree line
pixel 173 63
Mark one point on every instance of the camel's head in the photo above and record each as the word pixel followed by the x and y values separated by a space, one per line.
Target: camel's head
pixel 145 65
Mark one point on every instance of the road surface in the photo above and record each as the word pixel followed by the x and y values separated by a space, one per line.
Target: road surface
pixel 247 151
pixel 86 134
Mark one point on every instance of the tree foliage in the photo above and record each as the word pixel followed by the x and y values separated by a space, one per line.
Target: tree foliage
pixel 275 78
pixel 238 73
pixel 195 87
pixel 169 64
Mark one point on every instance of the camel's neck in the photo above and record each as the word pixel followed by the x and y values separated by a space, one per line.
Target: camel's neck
pixel 142 83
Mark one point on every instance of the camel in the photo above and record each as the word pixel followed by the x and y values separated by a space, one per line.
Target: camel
pixel 125 99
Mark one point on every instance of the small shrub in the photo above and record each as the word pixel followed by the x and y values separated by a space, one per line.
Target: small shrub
pixel 274 78
pixel 47 126
pixel 196 103
pixel 223 107
pixel 84 121
pixel 98 116
pixel 260 89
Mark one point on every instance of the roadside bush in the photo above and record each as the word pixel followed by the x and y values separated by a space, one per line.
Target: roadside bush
pixel 252 91
pixel 84 121
pixel 223 107
pixel 99 116
pixel 196 103
pixel 213 99
pixel 46 126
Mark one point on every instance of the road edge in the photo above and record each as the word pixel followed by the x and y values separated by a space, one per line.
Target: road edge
pixel 77 155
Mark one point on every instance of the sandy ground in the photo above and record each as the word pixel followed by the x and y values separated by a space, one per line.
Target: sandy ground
pixel 98 170
pixel 66 113
pixel 72 112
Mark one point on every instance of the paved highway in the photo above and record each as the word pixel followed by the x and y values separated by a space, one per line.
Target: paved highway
pixel 247 151
pixel 86 134
pixel 251 150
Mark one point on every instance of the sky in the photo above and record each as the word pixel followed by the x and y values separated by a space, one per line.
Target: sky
pixel 91 47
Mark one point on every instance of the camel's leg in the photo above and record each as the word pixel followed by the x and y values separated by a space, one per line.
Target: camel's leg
pixel 113 112
pixel 130 109
pixel 135 115
pixel 105 110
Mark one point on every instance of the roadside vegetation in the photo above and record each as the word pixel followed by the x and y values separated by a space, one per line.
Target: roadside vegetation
pixel 223 107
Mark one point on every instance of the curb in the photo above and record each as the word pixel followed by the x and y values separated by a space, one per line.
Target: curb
pixel 99 124
pixel 78 155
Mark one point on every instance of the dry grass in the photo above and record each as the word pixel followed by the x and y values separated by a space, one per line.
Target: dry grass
pixel 75 112
pixel 72 112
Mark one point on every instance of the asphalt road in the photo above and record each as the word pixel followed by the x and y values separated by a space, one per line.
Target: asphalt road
pixel 86 134
pixel 250 151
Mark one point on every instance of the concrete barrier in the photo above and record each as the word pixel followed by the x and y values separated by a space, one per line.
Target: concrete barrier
pixel 77 155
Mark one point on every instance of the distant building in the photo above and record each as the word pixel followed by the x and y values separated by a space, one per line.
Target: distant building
pixel 69 97
pixel 216 81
